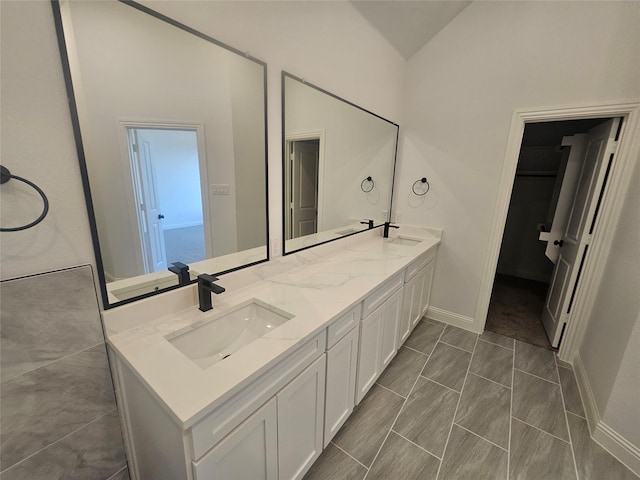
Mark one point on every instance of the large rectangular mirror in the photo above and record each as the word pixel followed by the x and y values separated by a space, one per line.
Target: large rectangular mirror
pixel 338 164
pixel 171 133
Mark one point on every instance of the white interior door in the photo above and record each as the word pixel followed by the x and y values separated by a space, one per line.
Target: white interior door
pixel 567 193
pixel 150 215
pixel 304 205
pixel 573 246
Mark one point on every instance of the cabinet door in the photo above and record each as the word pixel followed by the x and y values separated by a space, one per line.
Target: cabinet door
pixel 369 354
pixel 389 329
pixel 417 303
pixel 411 307
pixel 342 359
pixel 301 421
pixel 249 451
pixel 404 323
pixel 426 287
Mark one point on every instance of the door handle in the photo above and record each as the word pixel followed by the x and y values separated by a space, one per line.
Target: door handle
pixel 160 217
pixel 558 242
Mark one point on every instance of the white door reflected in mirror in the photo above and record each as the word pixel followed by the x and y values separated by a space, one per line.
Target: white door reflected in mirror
pixel 303 188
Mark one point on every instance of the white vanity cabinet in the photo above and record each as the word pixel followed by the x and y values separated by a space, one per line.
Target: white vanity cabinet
pixel 426 286
pixel 378 333
pixel 417 292
pixel 275 423
pixel 281 440
pixel 273 428
pixel 250 451
pixel 342 360
pixel 300 422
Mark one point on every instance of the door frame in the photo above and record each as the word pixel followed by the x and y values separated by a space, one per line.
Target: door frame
pixel 627 153
pixel 297 137
pixel 130 188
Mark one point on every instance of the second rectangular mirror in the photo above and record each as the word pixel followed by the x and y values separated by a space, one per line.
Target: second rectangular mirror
pixel 339 161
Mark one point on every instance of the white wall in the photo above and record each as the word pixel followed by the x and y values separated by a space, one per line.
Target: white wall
pixel 247 91
pixel 460 93
pixel 38 144
pixel 610 348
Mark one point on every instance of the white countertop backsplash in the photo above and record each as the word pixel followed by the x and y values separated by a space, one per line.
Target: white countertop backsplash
pixel 315 285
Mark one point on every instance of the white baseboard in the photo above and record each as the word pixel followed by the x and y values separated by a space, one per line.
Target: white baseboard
pixel 618 446
pixel 601 433
pixel 451 318
pixel 588 399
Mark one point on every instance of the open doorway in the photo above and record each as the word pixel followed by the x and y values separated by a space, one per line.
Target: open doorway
pixel 557 190
pixel 166 174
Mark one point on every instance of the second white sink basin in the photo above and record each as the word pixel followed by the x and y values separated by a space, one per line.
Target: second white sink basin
pixel 227 332
pixel 407 242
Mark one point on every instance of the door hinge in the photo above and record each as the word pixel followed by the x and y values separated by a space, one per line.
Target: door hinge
pixel 135 148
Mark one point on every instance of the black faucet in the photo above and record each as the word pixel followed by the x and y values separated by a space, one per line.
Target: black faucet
pixel 182 271
pixel 387 226
pixel 205 288
pixel 369 223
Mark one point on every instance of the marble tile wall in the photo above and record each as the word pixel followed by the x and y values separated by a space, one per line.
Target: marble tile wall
pixel 58 417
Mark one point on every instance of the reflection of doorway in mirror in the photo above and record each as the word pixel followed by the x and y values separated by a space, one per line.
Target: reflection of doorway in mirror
pixel 303 188
pixel 303 180
pixel 167 181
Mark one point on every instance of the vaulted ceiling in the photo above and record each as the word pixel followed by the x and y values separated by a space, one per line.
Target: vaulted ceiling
pixel 409 24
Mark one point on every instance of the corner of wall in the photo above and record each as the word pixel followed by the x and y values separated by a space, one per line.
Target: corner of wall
pixel 603 434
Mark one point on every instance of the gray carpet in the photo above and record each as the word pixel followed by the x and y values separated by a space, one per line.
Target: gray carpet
pixel 184 245
pixel 516 308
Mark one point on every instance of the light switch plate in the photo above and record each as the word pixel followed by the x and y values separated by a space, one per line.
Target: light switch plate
pixel 220 189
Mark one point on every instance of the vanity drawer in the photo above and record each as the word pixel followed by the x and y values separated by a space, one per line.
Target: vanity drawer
pixel 419 264
pixel 380 294
pixel 343 325
pixel 234 411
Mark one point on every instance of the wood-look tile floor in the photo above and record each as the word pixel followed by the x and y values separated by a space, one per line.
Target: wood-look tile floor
pixel 456 405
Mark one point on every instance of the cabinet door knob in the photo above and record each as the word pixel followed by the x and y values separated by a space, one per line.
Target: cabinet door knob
pixel 558 242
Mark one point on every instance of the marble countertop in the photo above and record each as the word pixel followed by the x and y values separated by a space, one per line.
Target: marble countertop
pixel 129 287
pixel 315 294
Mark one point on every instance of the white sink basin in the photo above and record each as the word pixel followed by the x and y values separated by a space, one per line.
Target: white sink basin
pixel 227 332
pixel 407 242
